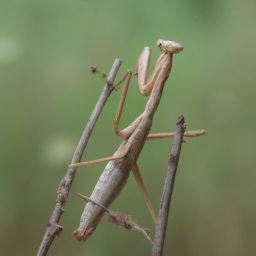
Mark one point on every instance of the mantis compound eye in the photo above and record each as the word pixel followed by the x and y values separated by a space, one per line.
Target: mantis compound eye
pixel 159 43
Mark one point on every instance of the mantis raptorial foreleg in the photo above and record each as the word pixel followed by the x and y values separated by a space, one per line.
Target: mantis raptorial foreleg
pixel 142 66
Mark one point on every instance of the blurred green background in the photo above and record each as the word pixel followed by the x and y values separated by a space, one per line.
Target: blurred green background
pixel 48 93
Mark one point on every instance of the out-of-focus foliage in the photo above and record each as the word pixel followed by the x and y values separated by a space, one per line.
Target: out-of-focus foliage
pixel 48 93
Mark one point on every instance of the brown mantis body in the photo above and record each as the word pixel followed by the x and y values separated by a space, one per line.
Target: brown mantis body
pixel 117 171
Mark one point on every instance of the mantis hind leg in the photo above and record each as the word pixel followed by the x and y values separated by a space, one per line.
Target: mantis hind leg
pixel 97 161
pixel 122 153
pixel 139 180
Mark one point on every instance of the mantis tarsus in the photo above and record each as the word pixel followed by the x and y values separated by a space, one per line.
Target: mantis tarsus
pixel 117 171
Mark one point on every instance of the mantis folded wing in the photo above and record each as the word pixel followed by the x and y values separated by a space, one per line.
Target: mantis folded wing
pixel 117 171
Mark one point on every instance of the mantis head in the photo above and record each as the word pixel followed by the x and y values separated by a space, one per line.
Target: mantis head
pixel 169 46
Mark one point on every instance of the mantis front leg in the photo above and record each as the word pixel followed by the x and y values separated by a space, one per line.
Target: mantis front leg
pixel 142 66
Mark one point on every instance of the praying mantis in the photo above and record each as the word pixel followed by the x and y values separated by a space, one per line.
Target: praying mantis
pixel 117 171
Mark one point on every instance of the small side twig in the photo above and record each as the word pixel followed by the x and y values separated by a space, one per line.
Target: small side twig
pixel 53 228
pixel 158 246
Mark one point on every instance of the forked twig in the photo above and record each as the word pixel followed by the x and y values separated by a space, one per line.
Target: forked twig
pixel 158 246
pixel 53 228
pixel 120 219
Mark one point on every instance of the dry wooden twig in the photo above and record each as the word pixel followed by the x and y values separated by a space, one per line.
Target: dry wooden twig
pixel 53 228
pixel 158 246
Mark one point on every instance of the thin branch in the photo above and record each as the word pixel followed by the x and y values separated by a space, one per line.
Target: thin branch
pixel 158 246
pixel 53 228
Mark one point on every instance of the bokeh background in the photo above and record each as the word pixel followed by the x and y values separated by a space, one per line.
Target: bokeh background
pixel 48 93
